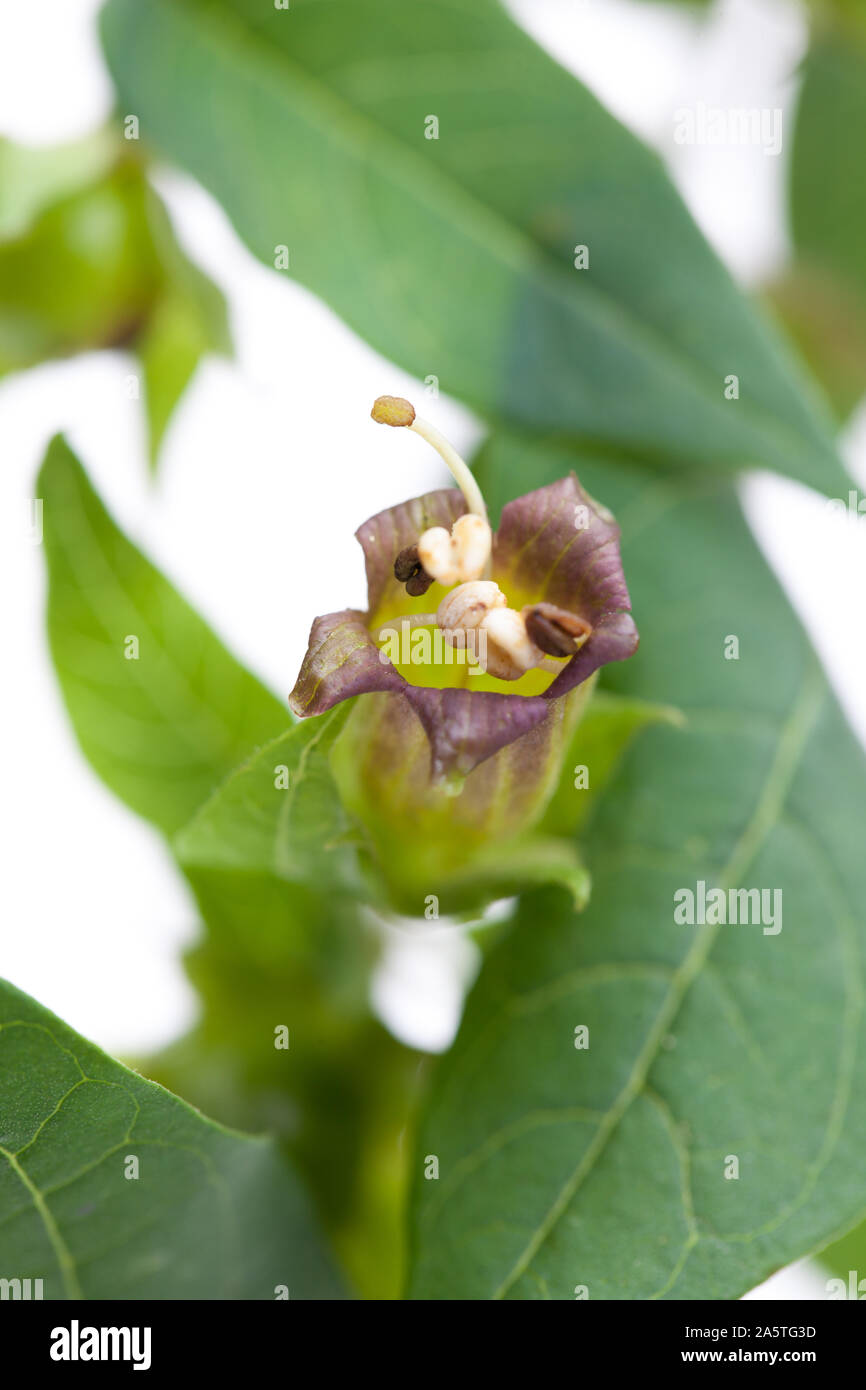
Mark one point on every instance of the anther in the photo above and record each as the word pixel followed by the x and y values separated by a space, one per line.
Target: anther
pixel 409 570
pixel 468 605
pixel 554 630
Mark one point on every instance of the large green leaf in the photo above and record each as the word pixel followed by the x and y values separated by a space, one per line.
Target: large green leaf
pixel 455 256
pixel 605 1167
pixel 162 727
pixel 210 1214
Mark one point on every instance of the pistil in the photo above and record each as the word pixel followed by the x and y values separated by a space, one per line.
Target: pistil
pixel 400 413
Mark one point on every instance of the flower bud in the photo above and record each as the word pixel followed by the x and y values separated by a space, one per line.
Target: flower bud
pixel 555 630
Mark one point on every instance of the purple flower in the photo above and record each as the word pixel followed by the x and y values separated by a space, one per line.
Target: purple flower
pixel 546 593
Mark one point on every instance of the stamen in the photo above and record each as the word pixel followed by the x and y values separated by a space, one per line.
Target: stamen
pixel 409 570
pixel 555 630
pixel 395 411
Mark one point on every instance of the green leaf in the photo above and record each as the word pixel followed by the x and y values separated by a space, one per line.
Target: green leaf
pixel 211 1214
pixel 171 348
pixel 162 719
pixel 320 127
pixel 189 320
pixel 503 869
pixel 823 296
pixel 828 199
pixel 280 953
pixel 597 746
pixel 279 813
pixel 826 318
pixel 165 731
pixel 847 1255
pixel 605 1167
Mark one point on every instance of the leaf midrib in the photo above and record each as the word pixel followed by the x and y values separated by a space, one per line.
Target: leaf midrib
pixel 792 742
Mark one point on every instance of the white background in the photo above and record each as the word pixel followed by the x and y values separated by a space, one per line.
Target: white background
pixel 93 915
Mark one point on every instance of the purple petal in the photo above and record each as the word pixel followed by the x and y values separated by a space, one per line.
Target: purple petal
pixel 342 660
pixel 387 533
pixel 558 544
pixel 466 726
pixel 613 639
pixel 463 726
pixel 539 553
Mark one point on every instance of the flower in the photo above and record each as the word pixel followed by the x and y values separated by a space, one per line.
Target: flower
pixel 546 593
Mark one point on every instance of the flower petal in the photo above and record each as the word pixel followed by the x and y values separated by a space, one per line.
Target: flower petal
pixel 342 660
pixel 444 839
pixel 388 532
pixel 614 638
pixel 554 544
pixel 560 545
pixel 465 727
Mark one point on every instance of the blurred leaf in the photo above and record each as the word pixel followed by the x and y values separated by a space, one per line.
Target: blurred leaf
pixel 561 1167
pixel 828 197
pixel 164 727
pixel 93 262
pixel 847 1255
pixel 455 255
pixel 823 299
pixel 210 1214
pixel 170 349
pixel 827 321
pixel 189 321
pixel 34 177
